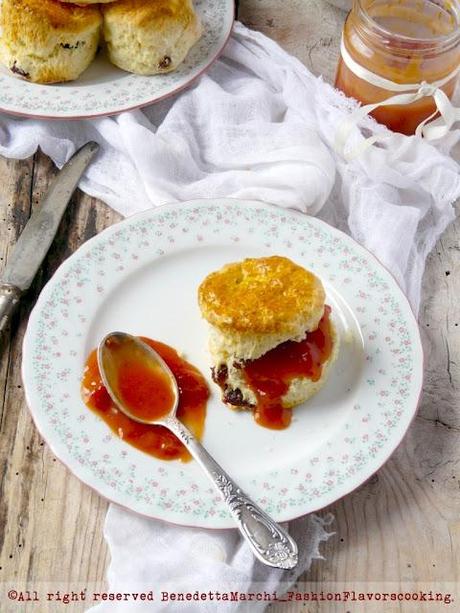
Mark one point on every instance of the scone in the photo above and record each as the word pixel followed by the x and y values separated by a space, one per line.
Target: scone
pixel 150 37
pixel 45 41
pixel 86 2
pixel 272 339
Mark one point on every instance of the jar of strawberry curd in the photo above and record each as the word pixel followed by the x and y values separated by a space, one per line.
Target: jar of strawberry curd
pixel 389 45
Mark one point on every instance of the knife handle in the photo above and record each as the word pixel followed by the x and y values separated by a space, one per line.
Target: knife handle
pixel 9 299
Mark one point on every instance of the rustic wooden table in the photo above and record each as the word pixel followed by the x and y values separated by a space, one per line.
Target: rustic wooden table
pixel 401 530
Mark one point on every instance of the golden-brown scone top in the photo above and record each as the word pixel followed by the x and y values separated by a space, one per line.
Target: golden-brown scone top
pixel 45 41
pixel 269 295
pixel 86 2
pixel 19 16
pixel 150 37
pixel 142 13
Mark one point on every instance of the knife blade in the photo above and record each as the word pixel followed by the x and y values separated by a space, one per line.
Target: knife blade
pixel 40 231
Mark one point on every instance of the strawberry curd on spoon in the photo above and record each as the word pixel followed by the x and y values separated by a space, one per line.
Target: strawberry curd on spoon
pixel 147 392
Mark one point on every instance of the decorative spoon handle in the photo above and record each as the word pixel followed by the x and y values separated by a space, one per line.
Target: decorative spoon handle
pixel 270 543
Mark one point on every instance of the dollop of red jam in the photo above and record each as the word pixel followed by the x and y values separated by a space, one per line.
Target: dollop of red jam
pixel 270 376
pixel 137 385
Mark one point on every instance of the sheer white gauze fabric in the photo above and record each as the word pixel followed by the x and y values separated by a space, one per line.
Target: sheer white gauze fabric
pixel 258 125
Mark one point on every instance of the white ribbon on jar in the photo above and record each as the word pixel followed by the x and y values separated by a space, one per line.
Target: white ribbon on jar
pixel 429 128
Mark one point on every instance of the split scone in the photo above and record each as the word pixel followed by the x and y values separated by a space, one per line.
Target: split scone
pixel 150 37
pixel 272 340
pixel 45 41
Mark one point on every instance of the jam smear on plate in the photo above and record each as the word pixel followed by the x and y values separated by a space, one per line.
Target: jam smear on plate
pixel 139 387
pixel 270 376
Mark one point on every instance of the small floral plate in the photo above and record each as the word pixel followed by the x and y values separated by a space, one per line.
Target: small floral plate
pixel 141 276
pixel 103 89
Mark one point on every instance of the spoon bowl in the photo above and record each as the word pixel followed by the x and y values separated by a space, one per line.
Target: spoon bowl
pixel 113 354
pixel 153 400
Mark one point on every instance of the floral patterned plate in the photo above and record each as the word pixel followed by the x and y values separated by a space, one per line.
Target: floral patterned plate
pixel 141 276
pixel 103 89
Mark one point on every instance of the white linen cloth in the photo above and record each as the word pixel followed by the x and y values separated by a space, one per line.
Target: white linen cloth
pixel 258 125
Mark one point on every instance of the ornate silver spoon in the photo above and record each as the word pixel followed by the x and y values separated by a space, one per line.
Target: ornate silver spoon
pixel 270 543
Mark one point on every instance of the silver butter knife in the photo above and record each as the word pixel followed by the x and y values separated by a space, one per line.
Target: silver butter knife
pixel 36 238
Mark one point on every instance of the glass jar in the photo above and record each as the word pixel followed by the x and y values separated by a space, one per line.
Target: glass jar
pixel 405 42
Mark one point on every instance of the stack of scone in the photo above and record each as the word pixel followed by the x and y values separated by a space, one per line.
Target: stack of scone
pixel 271 339
pixel 51 41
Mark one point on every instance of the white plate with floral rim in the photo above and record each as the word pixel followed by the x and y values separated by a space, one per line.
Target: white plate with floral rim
pixel 103 89
pixel 141 276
